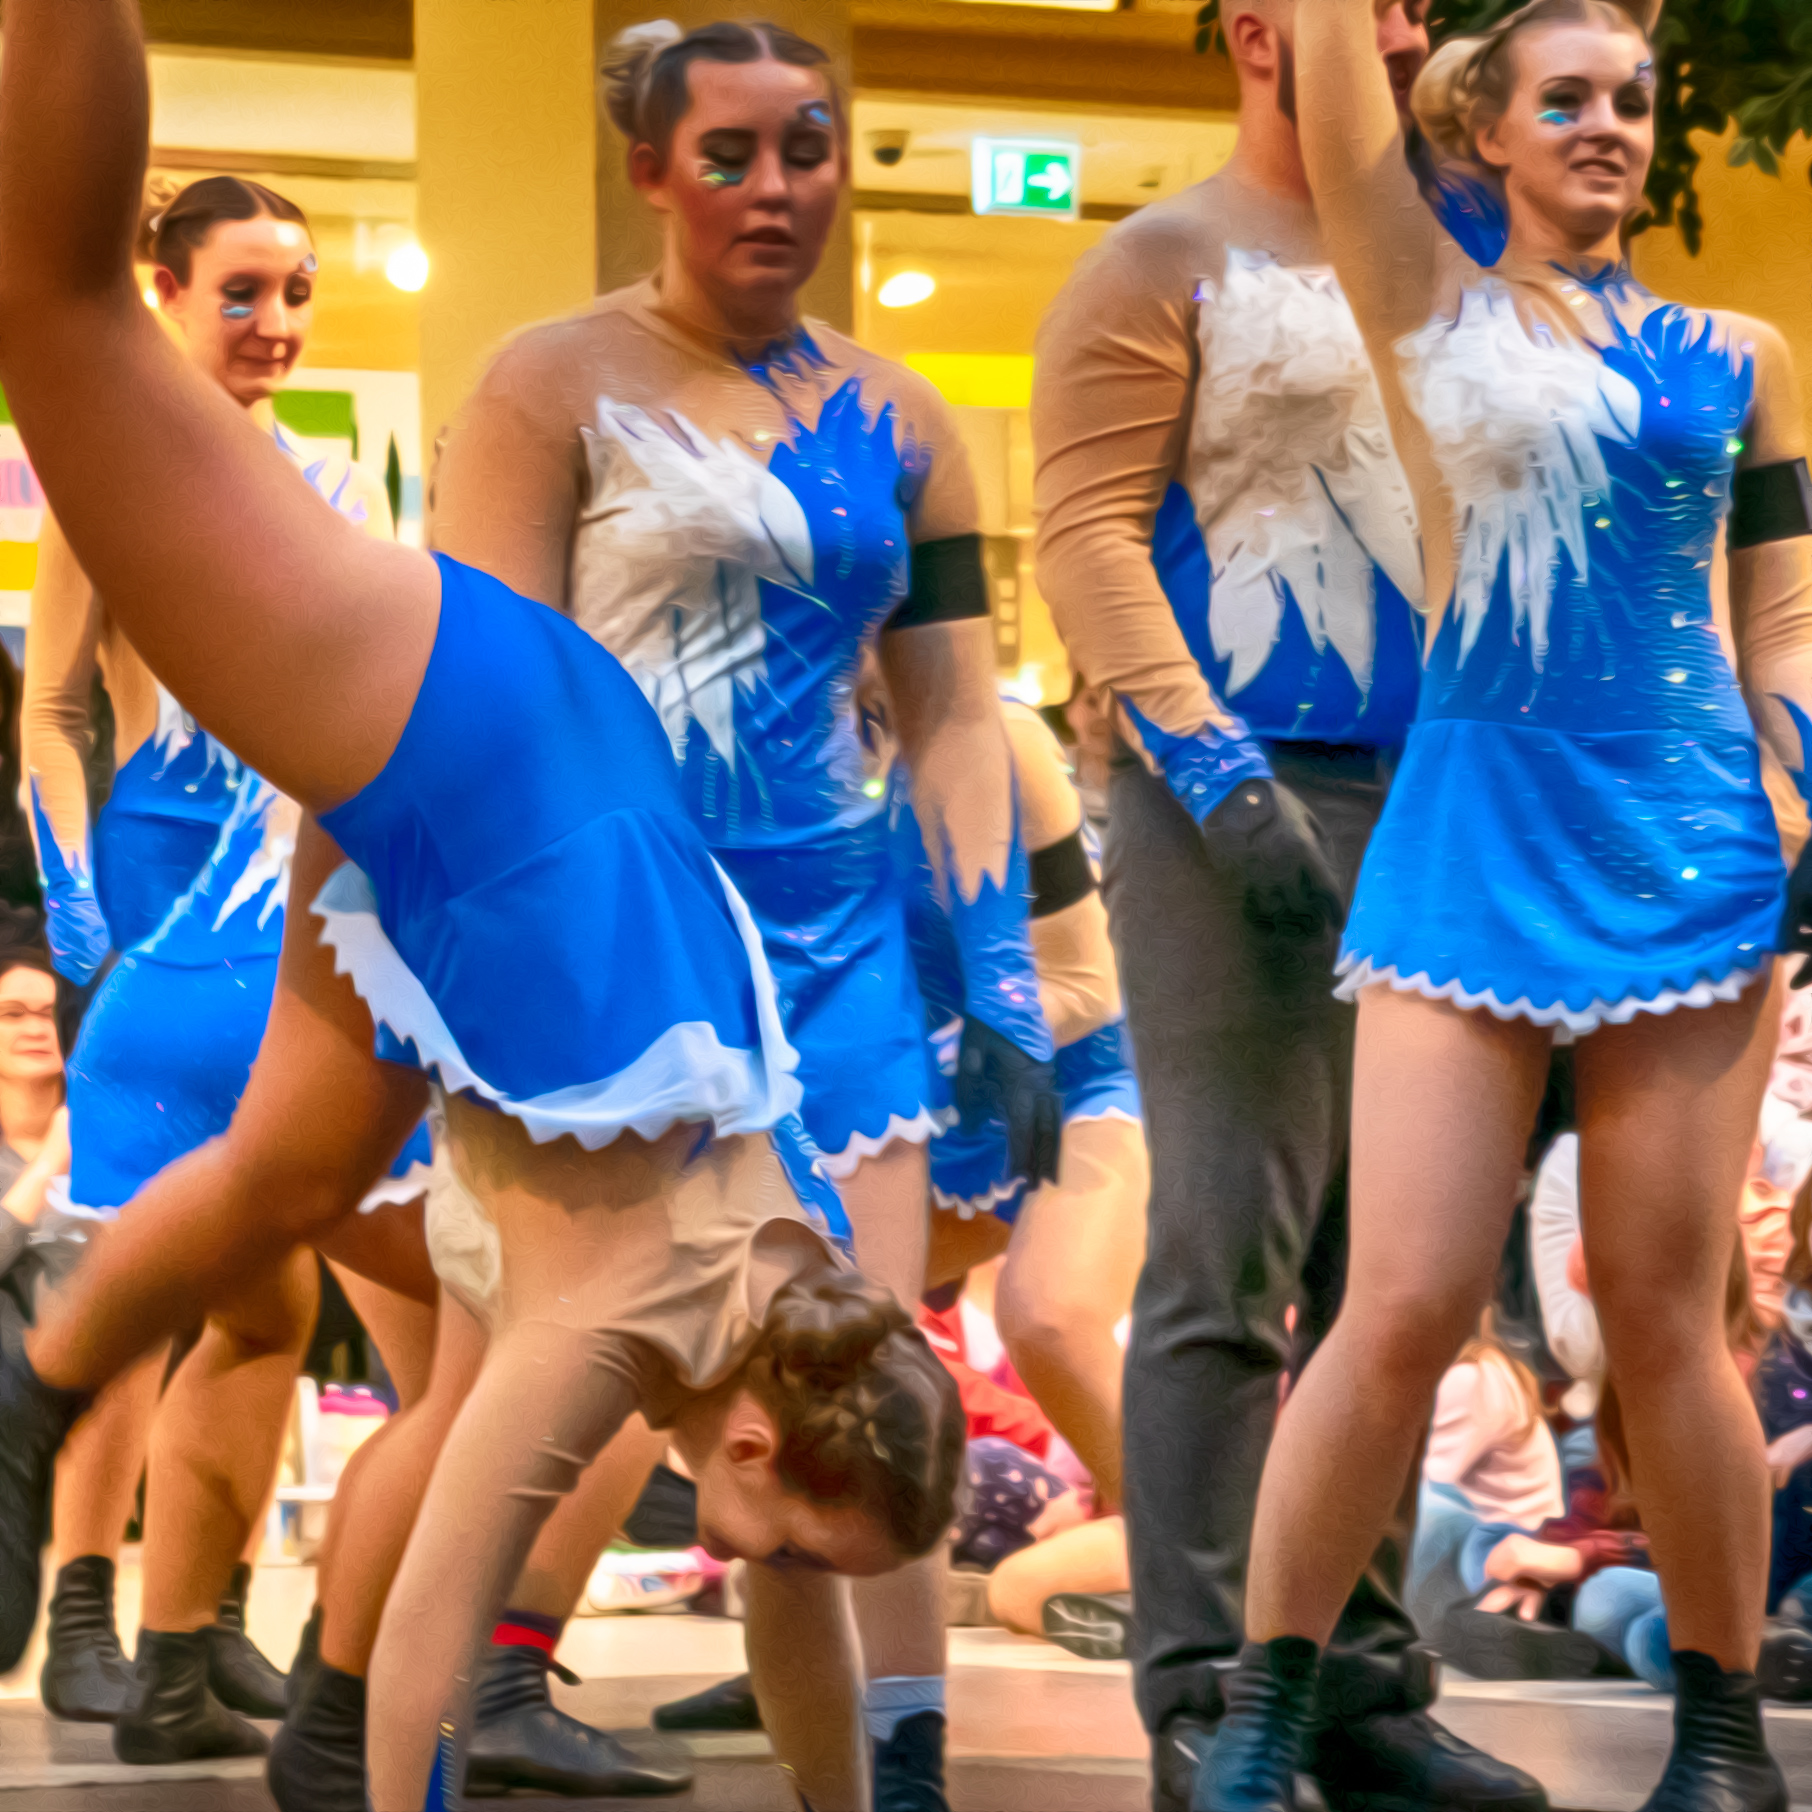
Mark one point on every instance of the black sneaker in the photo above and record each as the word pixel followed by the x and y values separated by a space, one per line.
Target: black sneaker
pixel 174 1716
pixel 909 1766
pixel 318 1758
pixel 239 1675
pixel 1090 1624
pixel 86 1677
pixel 1785 1670
pixel 1177 1754
pixel 1492 1645
pixel 729 1705
pixel 522 1741
pixel 1271 1703
pixel 35 1418
pixel 1403 1761
pixel 1720 1760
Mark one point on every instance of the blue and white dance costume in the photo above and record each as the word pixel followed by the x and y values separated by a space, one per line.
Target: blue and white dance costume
pixel 750 527
pixel 533 919
pixel 970 1168
pixel 1579 830
pixel 188 880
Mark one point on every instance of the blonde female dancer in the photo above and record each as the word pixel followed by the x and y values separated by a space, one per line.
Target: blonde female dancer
pixel 1613 500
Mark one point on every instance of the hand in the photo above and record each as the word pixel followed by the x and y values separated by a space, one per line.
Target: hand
pixel 1523 1561
pixel 994 1076
pixel 1262 832
pixel 1789 1453
pixel 1796 921
pixel 1524 1601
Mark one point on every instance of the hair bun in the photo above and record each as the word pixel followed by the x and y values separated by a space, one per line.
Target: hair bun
pixel 831 1327
pixel 628 61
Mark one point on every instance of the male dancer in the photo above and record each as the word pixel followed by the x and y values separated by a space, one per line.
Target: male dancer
pixel 1224 529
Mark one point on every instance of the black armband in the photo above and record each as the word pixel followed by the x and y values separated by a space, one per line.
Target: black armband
pixel 948 584
pixel 1061 875
pixel 1770 503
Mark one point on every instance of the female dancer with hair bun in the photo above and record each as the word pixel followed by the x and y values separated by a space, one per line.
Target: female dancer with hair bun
pixel 738 504
pixel 611 1123
pixel 1614 506
pixel 185 874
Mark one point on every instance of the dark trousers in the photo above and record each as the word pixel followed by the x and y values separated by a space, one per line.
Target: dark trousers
pixel 1245 1060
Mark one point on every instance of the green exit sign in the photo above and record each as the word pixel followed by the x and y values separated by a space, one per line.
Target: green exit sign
pixel 1027 176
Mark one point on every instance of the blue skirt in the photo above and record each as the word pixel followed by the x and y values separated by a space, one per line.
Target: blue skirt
pixel 529 912
pixel 162 1059
pixel 833 924
pixel 969 1170
pixel 1572 879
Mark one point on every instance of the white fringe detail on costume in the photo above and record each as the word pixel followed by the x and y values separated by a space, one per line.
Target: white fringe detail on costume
pixel 926 1124
pixel 972 1207
pixel 464 1246
pixel 1357 973
pixel 392 1192
pixel 687 1074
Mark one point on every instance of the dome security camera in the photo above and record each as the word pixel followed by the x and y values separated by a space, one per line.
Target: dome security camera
pixel 887 148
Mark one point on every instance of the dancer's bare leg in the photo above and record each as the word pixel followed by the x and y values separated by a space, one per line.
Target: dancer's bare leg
pixel 1443 1104
pixel 1667 1114
pixel 1074 1260
pixel 806 1664
pixel 888 1199
pixel 402 1328
pixel 320 1120
pixel 101 1462
pixel 215 1442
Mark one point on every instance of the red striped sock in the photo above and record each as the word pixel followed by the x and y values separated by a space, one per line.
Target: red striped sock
pixel 527 1629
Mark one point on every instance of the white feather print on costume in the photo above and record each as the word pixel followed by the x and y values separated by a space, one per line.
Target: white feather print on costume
pixel 176 730
pixel 1292 473
pixel 1515 420
pixel 270 861
pixel 675 534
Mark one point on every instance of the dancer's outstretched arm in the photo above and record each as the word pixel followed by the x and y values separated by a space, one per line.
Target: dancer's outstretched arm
pixel 295 638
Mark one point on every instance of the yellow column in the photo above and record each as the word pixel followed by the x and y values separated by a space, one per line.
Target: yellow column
pixel 505 151
pixel 628 234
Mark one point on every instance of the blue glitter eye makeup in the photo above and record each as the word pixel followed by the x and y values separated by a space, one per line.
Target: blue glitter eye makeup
pixel 310 264
pixel 816 113
pixel 715 178
pixel 236 311
pixel 1554 116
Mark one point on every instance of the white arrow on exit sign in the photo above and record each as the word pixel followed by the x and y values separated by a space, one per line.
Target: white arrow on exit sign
pixel 1032 176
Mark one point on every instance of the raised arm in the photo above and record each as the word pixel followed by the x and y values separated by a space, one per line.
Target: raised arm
pixel 296 639
pixel 1769 536
pixel 1384 243
pixel 54 737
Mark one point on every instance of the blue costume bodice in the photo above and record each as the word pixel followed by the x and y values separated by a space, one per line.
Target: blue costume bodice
pixel 1583 600
pixel 741 594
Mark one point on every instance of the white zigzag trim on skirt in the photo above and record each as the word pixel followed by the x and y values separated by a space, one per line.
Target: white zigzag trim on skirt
pixel 685 1074
pixel 972 1207
pixel 926 1124
pixel 1357 973
pixel 394 1191
pixel 56 1198
pixel 1102 1113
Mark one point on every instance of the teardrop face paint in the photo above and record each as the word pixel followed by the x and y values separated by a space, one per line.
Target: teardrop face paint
pixel 247 307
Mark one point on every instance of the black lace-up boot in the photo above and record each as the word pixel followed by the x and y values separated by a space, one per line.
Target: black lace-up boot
pixel 520 1739
pixel 909 1766
pixel 86 1677
pixel 1271 1705
pixel 307 1659
pixel 174 1716
pixel 1720 1760
pixel 239 1675
pixel 318 1758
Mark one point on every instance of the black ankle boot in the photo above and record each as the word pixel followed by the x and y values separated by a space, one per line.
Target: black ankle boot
pixel 1785 1670
pixel 1720 1760
pixel 520 1739
pixel 318 1758
pixel 174 1716
pixel 1262 1739
pixel 729 1705
pixel 909 1766
pixel 34 1419
pixel 307 1659
pixel 239 1675
pixel 86 1677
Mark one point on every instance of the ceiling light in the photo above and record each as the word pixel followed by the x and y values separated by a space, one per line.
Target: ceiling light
pixel 407 266
pixel 906 289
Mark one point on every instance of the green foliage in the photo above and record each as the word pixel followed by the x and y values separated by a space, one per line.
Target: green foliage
pixel 1718 62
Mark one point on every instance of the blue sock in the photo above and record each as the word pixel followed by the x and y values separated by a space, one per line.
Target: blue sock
pixel 440 1782
pixel 893 1698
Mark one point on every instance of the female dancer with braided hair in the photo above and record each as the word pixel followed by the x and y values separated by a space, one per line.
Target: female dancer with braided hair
pixel 613 1126
pixel 740 504
pixel 1614 506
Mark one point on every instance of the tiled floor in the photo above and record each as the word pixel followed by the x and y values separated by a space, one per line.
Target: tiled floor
pixel 1032 1729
